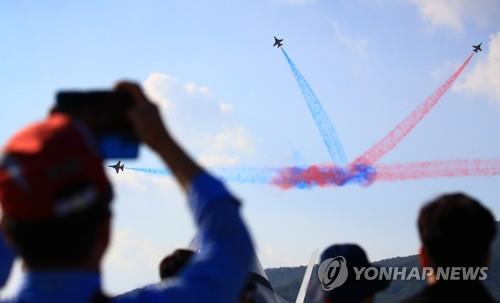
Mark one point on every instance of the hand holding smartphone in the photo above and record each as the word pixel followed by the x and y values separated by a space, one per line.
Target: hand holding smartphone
pixel 106 115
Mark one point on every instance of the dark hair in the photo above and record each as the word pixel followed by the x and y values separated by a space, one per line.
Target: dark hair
pixel 59 241
pixel 456 230
pixel 172 264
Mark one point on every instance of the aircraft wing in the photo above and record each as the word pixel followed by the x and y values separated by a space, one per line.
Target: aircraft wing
pixel 307 278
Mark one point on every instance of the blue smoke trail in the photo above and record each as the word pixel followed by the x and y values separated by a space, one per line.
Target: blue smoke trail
pixel 323 122
pixel 291 177
pixel 245 175
pixel 154 171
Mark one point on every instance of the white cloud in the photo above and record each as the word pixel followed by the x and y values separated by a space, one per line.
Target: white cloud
pixel 454 13
pixel 226 147
pixel 225 107
pixel 192 89
pixel 484 79
pixel 358 45
pixel 200 122
pixel 158 87
pixel 218 160
pixel 236 139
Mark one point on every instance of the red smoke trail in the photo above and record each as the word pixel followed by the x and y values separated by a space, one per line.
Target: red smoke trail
pixel 437 169
pixel 363 171
pixel 329 175
pixel 324 175
pixel 406 126
pixel 311 176
pixel 333 176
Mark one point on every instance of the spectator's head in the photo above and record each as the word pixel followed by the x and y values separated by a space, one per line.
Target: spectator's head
pixel 455 230
pixel 173 264
pixel 352 290
pixel 55 195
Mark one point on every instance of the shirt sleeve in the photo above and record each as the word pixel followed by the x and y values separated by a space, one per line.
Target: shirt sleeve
pixel 7 257
pixel 219 271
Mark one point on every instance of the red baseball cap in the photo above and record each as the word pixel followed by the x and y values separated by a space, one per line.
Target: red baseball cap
pixel 51 169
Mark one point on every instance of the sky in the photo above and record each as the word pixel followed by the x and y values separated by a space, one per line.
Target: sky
pixel 230 98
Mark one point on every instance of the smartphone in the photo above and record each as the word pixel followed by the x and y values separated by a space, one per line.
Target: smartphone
pixel 105 113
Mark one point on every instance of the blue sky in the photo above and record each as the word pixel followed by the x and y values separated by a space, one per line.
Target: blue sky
pixel 231 99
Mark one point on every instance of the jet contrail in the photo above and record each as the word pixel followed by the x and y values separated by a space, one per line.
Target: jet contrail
pixel 154 171
pixel 248 175
pixel 324 175
pixel 289 177
pixel 323 122
pixel 438 169
pixel 243 175
pixel 364 170
pixel 407 125
pixel 360 174
pixel 327 175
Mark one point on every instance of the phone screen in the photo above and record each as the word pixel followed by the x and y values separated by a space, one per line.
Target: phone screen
pixel 113 147
pixel 105 113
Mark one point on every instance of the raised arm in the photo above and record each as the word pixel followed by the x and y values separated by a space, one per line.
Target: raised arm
pixel 151 130
pixel 219 271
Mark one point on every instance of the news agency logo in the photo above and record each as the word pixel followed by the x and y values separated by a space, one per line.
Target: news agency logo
pixel 333 273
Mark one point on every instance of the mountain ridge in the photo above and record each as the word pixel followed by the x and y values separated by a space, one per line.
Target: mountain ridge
pixel 286 280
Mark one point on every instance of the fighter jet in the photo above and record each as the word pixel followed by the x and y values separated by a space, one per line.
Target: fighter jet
pixel 117 166
pixel 477 48
pixel 278 42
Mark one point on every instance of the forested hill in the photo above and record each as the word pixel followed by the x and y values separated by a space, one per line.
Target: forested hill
pixel 286 280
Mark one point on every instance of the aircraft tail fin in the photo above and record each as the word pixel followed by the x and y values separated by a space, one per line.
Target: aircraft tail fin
pixel 307 278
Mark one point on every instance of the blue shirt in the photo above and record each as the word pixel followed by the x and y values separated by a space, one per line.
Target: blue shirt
pixel 7 257
pixel 216 274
